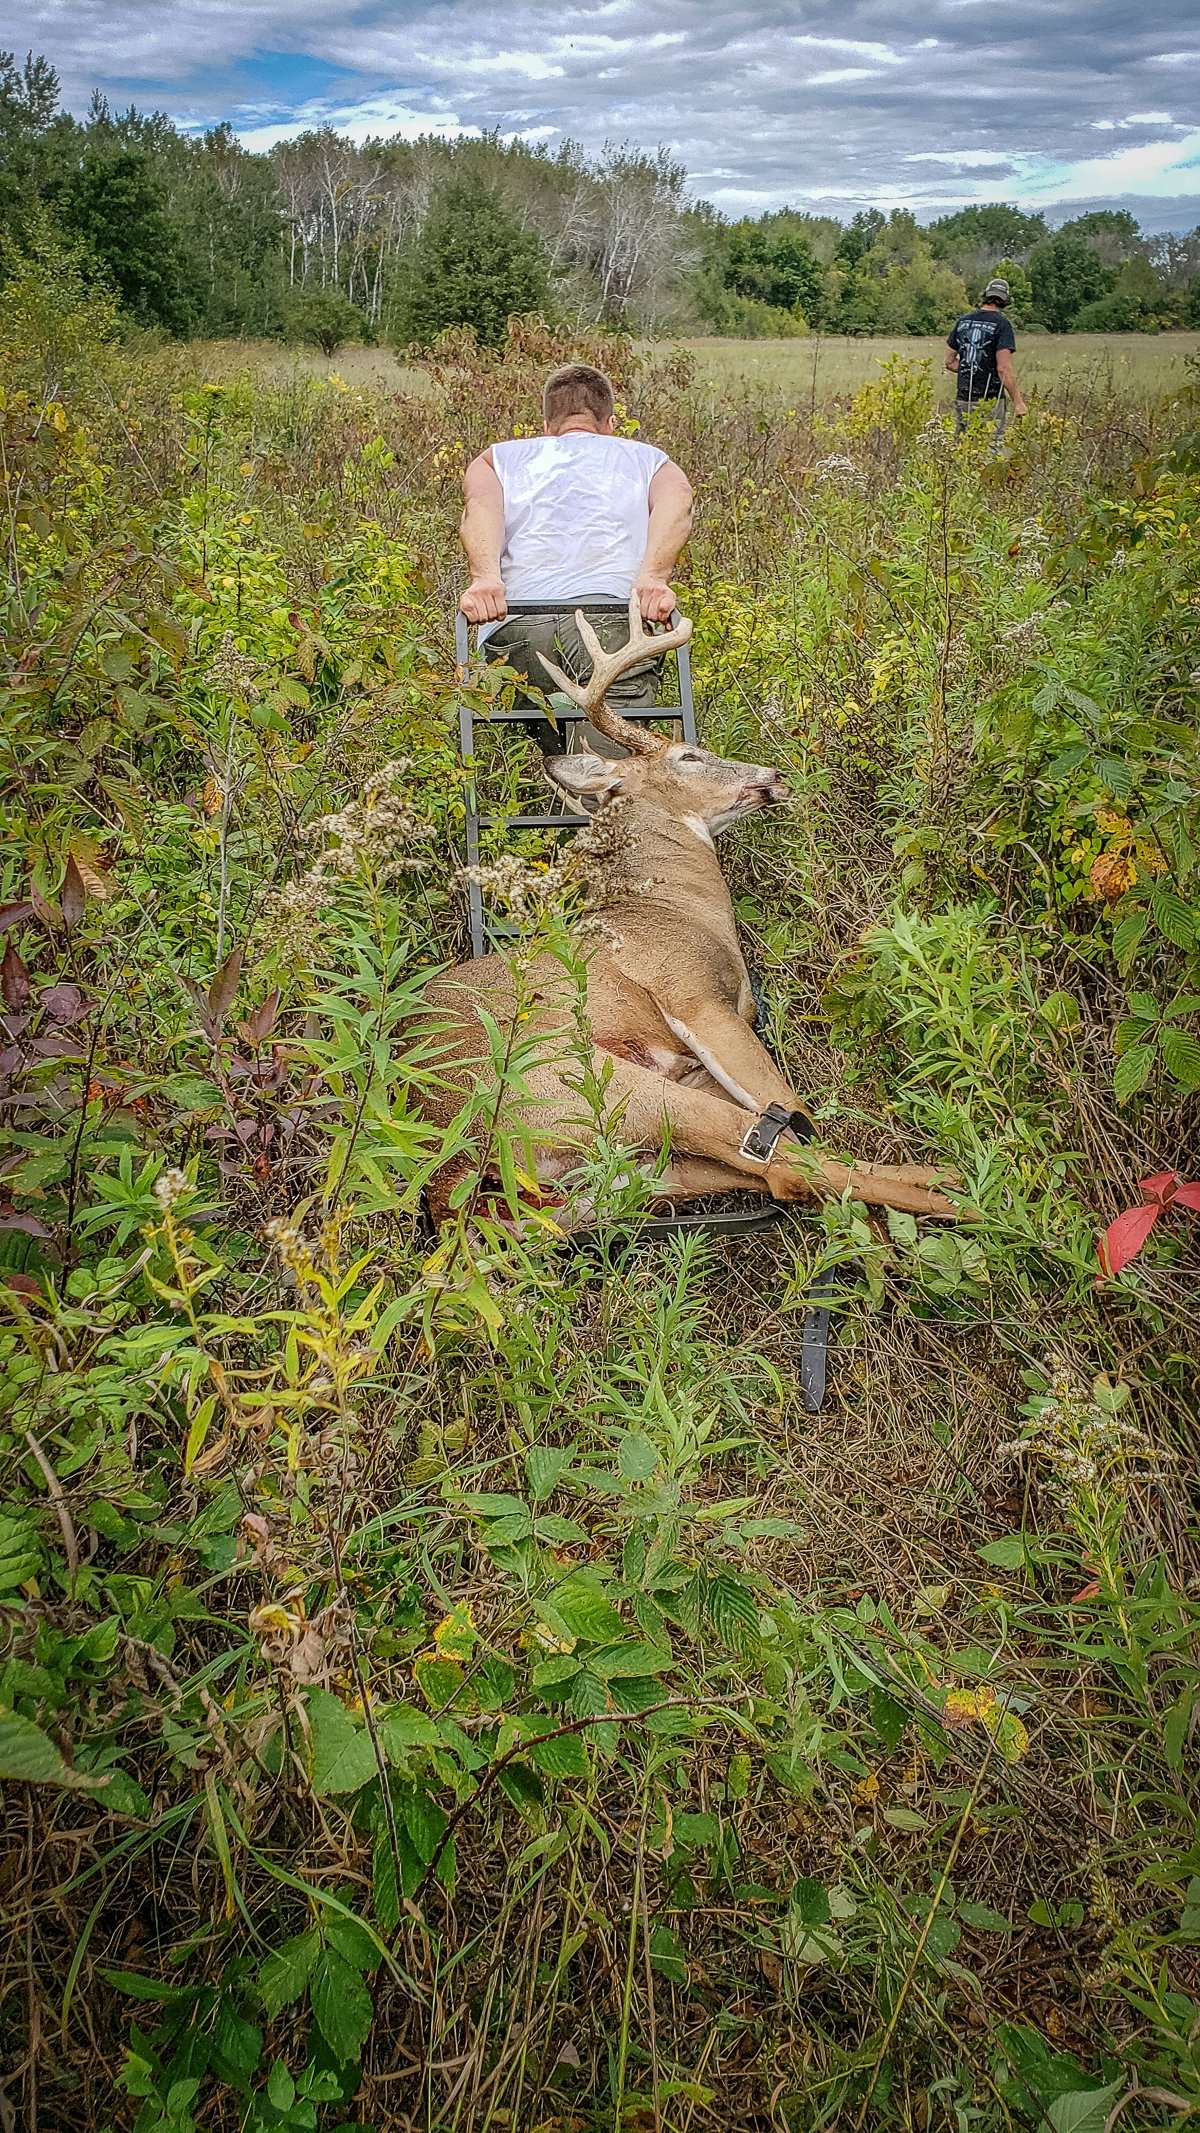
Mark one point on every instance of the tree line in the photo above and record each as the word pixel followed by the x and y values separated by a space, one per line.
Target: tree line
pixel 327 240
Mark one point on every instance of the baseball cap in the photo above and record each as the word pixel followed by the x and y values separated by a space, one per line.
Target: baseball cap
pixel 997 287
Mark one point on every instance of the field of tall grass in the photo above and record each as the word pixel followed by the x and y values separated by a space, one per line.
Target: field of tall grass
pixel 1079 367
pixel 456 1684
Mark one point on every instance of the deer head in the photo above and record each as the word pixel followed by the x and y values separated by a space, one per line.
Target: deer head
pixel 679 779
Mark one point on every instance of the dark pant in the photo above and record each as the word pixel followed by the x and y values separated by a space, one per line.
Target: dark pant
pixel 520 640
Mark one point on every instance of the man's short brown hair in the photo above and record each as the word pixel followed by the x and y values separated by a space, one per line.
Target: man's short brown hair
pixel 576 389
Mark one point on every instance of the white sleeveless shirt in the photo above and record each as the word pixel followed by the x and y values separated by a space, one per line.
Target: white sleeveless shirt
pixel 576 513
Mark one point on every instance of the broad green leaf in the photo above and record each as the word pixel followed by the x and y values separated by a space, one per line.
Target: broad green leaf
pixel 351 1939
pixel 545 1465
pixel 1083 2110
pixel 733 1612
pixel 1010 1553
pixel 811 1900
pixel 30 1757
pixel 1133 1072
pixel 888 1717
pixel 438 1679
pixel 586 1611
pixel 667 1956
pixel 1127 936
pixel 632 1657
pixel 905 1818
pixel 285 1973
pixel 281 2089
pixel 424 1822
pixel 982 1919
pixel 637 1456
pixel 564 1757
pixel 341 2004
pixel 1173 917
pixel 1181 1052
pixel 406 1728
pixel 136 1987
pixel 342 1756
pixel 201 1423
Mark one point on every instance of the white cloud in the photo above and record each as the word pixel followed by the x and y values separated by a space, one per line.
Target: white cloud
pixel 961 158
pixel 769 100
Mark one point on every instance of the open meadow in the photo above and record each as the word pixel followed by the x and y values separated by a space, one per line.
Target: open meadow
pixel 1073 369
pixel 456 1684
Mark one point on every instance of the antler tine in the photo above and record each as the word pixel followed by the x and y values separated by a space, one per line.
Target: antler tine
pixel 590 696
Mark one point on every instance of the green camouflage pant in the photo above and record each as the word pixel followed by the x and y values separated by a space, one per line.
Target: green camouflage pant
pixel 518 643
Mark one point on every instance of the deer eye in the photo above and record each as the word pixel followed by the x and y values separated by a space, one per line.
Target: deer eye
pixel 690 755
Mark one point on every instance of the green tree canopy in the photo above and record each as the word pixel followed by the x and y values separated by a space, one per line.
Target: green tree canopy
pixel 1066 274
pixel 113 202
pixel 973 235
pixel 473 265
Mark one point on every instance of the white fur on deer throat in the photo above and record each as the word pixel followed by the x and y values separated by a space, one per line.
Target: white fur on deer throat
pixel 699 828
pixel 710 1063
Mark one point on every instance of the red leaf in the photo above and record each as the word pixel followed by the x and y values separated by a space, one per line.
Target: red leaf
pixel 65 1002
pixel 1159 1187
pixel 74 895
pixel 223 990
pixel 48 913
pixel 15 914
pixel 1124 1238
pixel 262 1021
pixel 1090 1591
pixel 24 1284
pixel 1188 1196
pixel 11 1219
pixel 14 980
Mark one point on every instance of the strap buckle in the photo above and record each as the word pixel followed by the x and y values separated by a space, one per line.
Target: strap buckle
pixel 762 1137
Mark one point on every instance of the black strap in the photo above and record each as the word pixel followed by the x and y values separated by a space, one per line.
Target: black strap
pixel 814 1344
pixel 762 1137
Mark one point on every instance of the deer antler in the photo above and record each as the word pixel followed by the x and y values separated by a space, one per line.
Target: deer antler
pixel 607 666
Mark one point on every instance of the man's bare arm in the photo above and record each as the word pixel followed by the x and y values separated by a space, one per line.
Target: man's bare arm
pixel 670 525
pixel 481 532
pixel 952 359
pixel 1008 379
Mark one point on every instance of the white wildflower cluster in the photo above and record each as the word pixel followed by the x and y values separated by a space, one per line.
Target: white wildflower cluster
pixel 1032 545
pixel 1076 1433
pixel 840 472
pixel 1028 634
pixel 934 436
pixel 587 869
pixel 171 1186
pixel 380 833
pixel 233 673
pixel 379 836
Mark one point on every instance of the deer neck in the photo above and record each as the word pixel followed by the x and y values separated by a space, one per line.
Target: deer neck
pixel 667 861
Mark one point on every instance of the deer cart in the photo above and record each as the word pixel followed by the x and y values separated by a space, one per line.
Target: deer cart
pixel 489 934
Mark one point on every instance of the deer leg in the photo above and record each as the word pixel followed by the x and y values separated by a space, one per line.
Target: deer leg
pixel 694 1177
pixel 735 1059
pixel 647 1106
pixel 729 1051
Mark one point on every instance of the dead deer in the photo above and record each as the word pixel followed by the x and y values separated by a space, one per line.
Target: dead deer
pixel 669 1006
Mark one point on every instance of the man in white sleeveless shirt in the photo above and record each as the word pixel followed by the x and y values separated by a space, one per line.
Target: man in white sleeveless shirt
pixel 575 514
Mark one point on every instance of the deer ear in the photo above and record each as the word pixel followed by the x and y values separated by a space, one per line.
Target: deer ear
pixel 585 777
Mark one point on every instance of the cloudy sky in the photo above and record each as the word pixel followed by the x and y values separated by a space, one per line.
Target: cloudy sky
pixel 1055 104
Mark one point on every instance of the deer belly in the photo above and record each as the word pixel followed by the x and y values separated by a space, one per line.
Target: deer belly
pixel 643 1052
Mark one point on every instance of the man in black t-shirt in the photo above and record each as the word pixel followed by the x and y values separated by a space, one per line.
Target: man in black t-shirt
pixel 979 351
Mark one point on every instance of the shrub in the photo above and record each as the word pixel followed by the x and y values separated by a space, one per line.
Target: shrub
pixel 324 319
